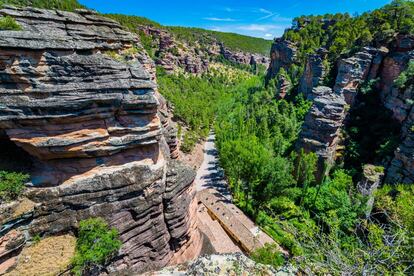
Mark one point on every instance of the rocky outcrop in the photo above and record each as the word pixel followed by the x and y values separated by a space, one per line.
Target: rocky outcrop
pixel 283 86
pixel 401 169
pixel 369 183
pixel 171 54
pixel 321 129
pixel 399 101
pixel 242 57
pixel 92 126
pixel 314 73
pixel 225 264
pixel 352 72
pixel 282 55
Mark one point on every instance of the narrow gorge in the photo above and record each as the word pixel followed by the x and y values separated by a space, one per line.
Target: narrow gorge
pixel 130 147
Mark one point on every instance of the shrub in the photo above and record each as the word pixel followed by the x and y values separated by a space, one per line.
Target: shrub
pixel 268 255
pixel 36 239
pixel 96 244
pixel 11 185
pixel 405 76
pixel 189 141
pixel 9 23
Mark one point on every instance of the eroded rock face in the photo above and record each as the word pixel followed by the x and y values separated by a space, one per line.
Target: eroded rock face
pixel 93 126
pixel 172 54
pixel 320 132
pixel 352 72
pixel 394 98
pixel 242 57
pixel 282 55
pixel 314 73
pixel 401 169
pixel 321 129
pixel 283 86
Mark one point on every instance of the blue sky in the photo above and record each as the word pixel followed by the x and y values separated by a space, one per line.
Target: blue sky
pixel 260 18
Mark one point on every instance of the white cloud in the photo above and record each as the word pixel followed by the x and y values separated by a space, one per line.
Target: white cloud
pixel 260 27
pixel 266 31
pixel 266 12
pixel 274 16
pixel 219 19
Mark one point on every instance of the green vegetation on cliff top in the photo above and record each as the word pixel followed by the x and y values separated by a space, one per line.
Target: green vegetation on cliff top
pixel 65 5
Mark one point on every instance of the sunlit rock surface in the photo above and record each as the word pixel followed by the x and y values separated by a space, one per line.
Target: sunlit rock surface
pixel 96 129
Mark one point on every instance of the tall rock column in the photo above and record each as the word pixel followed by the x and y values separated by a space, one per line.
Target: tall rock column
pixel 320 131
pixel 314 73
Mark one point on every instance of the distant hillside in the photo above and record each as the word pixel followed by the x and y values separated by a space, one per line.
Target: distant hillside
pixel 65 5
pixel 231 40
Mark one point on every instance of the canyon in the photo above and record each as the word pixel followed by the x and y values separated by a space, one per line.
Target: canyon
pixel 88 111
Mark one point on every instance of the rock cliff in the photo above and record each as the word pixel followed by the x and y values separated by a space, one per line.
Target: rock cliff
pixel 384 64
pixel 314 73
pixel 95 128
pixel 321 130
pixel 283 54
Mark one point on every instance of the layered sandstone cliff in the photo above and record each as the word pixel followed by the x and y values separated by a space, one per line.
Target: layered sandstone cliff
pixel 95 129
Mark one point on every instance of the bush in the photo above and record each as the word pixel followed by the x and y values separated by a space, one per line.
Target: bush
pixel 268 255
pixel 96 244
pixel 405 76
pixel 9 23
pixel 11 185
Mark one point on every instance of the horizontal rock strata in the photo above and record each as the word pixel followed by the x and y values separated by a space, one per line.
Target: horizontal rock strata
pixel 96 129
pixel 314 73
pixel 321 129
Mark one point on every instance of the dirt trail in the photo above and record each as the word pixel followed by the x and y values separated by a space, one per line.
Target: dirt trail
pixel 210 174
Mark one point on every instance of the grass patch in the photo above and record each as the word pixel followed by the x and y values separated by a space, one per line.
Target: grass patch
pixel 268 255
pixel 8 23
pixel 48 256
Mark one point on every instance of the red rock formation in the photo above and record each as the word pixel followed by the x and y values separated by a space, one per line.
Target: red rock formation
pixel 93 127
pixel 282 55
pixel 314 72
